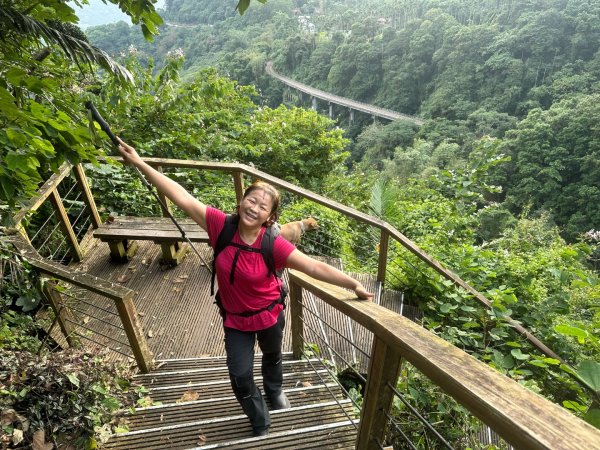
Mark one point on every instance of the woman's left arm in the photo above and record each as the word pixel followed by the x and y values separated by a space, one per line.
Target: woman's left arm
pixel 324 272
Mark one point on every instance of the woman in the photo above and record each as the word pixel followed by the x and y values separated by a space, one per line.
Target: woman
pixel 250 306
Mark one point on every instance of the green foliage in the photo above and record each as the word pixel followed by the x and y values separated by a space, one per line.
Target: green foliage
pixel 295 144
pixel 40 93
pixel 331 239
pixel 212 117
pixel 18 331
pixel 449 418
pixel 377 142
pixel 527 271
pixel 18 282
pixel 69 395
pixel 243 5
pixel 474 69
pixel 553 166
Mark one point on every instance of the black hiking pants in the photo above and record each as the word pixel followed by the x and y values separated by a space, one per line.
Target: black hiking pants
pixel 239 346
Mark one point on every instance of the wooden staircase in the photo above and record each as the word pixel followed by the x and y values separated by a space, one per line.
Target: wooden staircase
pixel 198 410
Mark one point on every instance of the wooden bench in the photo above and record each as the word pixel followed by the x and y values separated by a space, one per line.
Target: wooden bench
pixel 122 232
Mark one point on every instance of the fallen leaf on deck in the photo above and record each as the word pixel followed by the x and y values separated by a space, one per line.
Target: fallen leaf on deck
pixel 125 277
pixel 9 416
pixel 180 279
pixel 150 333
pixel 188 396
pixel 86 319
pixel 201 439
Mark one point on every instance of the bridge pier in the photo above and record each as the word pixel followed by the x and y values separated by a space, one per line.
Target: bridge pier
pixel 330 110
pixel 314 103
pixel 351 115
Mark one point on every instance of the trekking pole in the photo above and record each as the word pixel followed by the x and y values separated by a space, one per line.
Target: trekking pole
pixel 104 126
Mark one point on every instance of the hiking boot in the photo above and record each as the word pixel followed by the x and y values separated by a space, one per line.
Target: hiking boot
pixel 279 401
pixel 260 431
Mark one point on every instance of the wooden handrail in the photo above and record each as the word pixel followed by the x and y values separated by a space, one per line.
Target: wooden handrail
pixel 43 193
pixel 524 419
pixel 122 296
pixel 237 170
pixel 384 227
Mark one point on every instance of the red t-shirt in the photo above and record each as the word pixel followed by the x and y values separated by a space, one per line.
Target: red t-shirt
pixel 253 287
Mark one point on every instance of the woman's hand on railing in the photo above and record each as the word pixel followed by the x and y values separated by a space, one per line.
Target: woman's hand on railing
pixel 362 293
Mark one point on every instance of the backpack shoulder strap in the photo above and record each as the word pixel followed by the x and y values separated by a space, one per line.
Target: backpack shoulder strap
pixel 225 237
pixel 266 247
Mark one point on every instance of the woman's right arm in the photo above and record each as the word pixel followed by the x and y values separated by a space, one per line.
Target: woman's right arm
pixel 171 189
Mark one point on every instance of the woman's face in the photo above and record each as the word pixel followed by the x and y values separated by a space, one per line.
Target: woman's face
pixel 255 208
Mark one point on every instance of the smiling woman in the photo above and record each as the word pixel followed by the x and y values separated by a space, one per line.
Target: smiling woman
pixel 251 297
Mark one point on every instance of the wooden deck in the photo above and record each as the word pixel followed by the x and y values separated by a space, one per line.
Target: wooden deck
pixel 179 317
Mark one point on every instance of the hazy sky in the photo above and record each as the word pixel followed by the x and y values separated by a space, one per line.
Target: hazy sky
pixel 98 13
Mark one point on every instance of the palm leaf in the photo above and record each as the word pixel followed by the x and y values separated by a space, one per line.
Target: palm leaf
pixel 382 201
pixel 77 50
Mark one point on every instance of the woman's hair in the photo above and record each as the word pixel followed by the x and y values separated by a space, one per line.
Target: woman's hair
pixel 273 193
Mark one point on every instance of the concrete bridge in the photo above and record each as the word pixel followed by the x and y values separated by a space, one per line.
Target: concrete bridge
pixel 332 99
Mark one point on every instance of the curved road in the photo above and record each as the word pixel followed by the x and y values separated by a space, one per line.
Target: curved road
pixel 358 106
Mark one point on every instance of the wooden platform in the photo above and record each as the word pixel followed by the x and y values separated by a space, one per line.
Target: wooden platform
pixel 177 311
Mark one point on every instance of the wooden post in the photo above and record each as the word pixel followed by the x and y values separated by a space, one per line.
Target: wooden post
pixel 88 198
pixel 296 318
pixel 61 311
pixel 19 228
pixel 383 253
pixel 383 369
pixel 134 332
pixel 238 183
pixel 172 252
pixel 57 203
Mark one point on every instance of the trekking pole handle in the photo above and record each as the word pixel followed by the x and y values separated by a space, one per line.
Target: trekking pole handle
pixel 103 124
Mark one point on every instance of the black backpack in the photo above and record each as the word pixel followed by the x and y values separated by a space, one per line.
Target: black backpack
pixel 266 250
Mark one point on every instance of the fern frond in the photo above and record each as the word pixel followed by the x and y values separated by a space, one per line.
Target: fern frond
pixel 77 50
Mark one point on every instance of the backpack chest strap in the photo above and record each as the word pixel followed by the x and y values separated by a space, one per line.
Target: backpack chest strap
pixel 239 247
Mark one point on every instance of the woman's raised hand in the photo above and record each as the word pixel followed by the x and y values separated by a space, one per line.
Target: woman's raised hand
pixel 128 153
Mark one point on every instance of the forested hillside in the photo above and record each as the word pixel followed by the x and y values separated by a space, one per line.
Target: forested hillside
pixel 501 184
pixel 472 68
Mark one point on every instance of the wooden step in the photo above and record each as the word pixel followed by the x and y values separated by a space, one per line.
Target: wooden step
pixel 204 362
pixel 169 378
pixel 177 413
pixel 228 429
pixel 222 387
pixel 340 435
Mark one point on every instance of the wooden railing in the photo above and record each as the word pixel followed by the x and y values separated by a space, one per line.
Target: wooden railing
pixel 523 418
pixel 49 191
pixel 121 296
pixel 387 232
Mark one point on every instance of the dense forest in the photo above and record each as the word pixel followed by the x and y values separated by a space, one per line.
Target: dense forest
pixel 501 184
pixel 510 70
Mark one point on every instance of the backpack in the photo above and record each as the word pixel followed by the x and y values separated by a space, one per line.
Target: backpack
pixel 266 250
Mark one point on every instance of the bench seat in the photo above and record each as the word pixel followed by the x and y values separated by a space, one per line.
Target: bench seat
pixel 121 232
